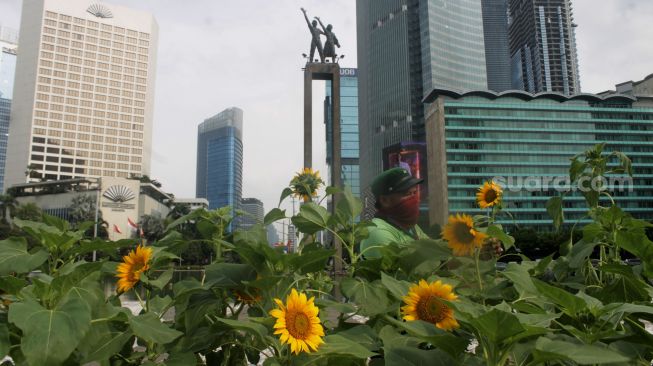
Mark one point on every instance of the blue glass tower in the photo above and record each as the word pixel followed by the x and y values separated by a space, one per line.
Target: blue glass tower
pixel 220 159
pixel 348 128
pixel 7 75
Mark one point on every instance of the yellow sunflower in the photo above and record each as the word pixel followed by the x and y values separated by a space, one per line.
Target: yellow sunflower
pixel 306 183
pixel 461 236
pixel 135 263
pixel 424 302
pixel 298 323
pixel 489 194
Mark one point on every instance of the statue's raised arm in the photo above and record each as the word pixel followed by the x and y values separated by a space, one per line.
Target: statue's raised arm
pixel 331 41
pixel 315 38
pixel 321 24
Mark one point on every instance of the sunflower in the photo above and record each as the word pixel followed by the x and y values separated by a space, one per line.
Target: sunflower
pixel 298 323
pixel 489 194
pixel 135 263
pixel 459 232
pixel 424 302
pixel 306 183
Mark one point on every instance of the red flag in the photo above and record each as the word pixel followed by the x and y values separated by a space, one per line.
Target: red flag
pixel 132 224
pixel 116 229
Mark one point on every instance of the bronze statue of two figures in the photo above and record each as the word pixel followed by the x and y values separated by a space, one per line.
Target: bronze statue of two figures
pixel 330 44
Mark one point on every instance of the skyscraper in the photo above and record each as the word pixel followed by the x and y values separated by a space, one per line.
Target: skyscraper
pixel 8 39
pixel 255 212
pixel 84 91
pixel 497 53
pixel 348 128
pixel 543 46
pixel 406 48
pixel 220 159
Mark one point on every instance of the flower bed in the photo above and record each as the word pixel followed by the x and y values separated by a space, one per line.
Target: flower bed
pixel 422 303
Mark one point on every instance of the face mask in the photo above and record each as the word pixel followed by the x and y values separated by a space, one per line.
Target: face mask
pixel 405 213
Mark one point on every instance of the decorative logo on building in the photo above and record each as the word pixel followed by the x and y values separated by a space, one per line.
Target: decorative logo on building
pixel 119 194
pixel 100 11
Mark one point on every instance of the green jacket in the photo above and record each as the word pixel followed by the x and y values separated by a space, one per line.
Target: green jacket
pixel 385 233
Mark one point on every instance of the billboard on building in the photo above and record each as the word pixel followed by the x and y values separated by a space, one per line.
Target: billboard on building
pixel 410 156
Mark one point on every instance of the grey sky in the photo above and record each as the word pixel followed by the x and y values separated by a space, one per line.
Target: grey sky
pixel 216 54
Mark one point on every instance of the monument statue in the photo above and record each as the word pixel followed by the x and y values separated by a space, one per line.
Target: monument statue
pixel 315 41
pixel 331 41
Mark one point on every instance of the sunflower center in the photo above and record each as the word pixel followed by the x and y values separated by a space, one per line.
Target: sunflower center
pixel 491 195
pixel 463 233
pixel 431 309
pixel 298 325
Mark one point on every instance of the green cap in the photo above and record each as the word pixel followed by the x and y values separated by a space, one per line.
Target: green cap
pixel 395 180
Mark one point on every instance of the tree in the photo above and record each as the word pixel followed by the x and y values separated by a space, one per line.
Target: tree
pixel 82 209
pixel 29 211
pixel 7 205
pixel 178 210
pixel 153 226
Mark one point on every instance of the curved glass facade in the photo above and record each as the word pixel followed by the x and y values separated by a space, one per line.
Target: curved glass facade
pixel 528 144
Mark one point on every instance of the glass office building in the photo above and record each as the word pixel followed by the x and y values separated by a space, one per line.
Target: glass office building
pixel 543 46
pixel 406 48
pixel 497 53
pixel 8 46
pixel 348 128
pixel 220 159
pixel 525 142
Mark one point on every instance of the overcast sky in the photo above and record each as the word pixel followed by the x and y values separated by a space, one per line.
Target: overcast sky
pixel 217 54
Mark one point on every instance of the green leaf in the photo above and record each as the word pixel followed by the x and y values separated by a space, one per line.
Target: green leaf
pixel 330 190
pixel 253 328
pixel 102 342
pixel 410 356
pixel 101 245
pixel 582 354
pixel 285 193
pixel 521 279
pixel 4 340
pixel 162 280
pixel 312 261
pixel 497 325
pixel 554 209
pixel 580 252
pixel 50 336
pixel 397 288
pixel 336 344
pixel 625 162
pixel 453 345
pixel 14 256
pixel 638 244
pixel 348 207
pixel 496 231
pixel 181 359
pixel 228 274
pixel 338 306
pixel 11 284
pixel 570 303
pixel 311 218
pixel 422 256
pixel 576 169
pixel 148 327
pixel 370 297
pixel 274 215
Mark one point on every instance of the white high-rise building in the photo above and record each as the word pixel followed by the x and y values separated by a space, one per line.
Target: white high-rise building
pixel 84 91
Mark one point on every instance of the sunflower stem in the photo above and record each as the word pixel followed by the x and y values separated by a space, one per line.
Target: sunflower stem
pixel 477 254
pixel 140 301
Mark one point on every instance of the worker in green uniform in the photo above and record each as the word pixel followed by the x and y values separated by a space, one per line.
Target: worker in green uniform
pixel 397 210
